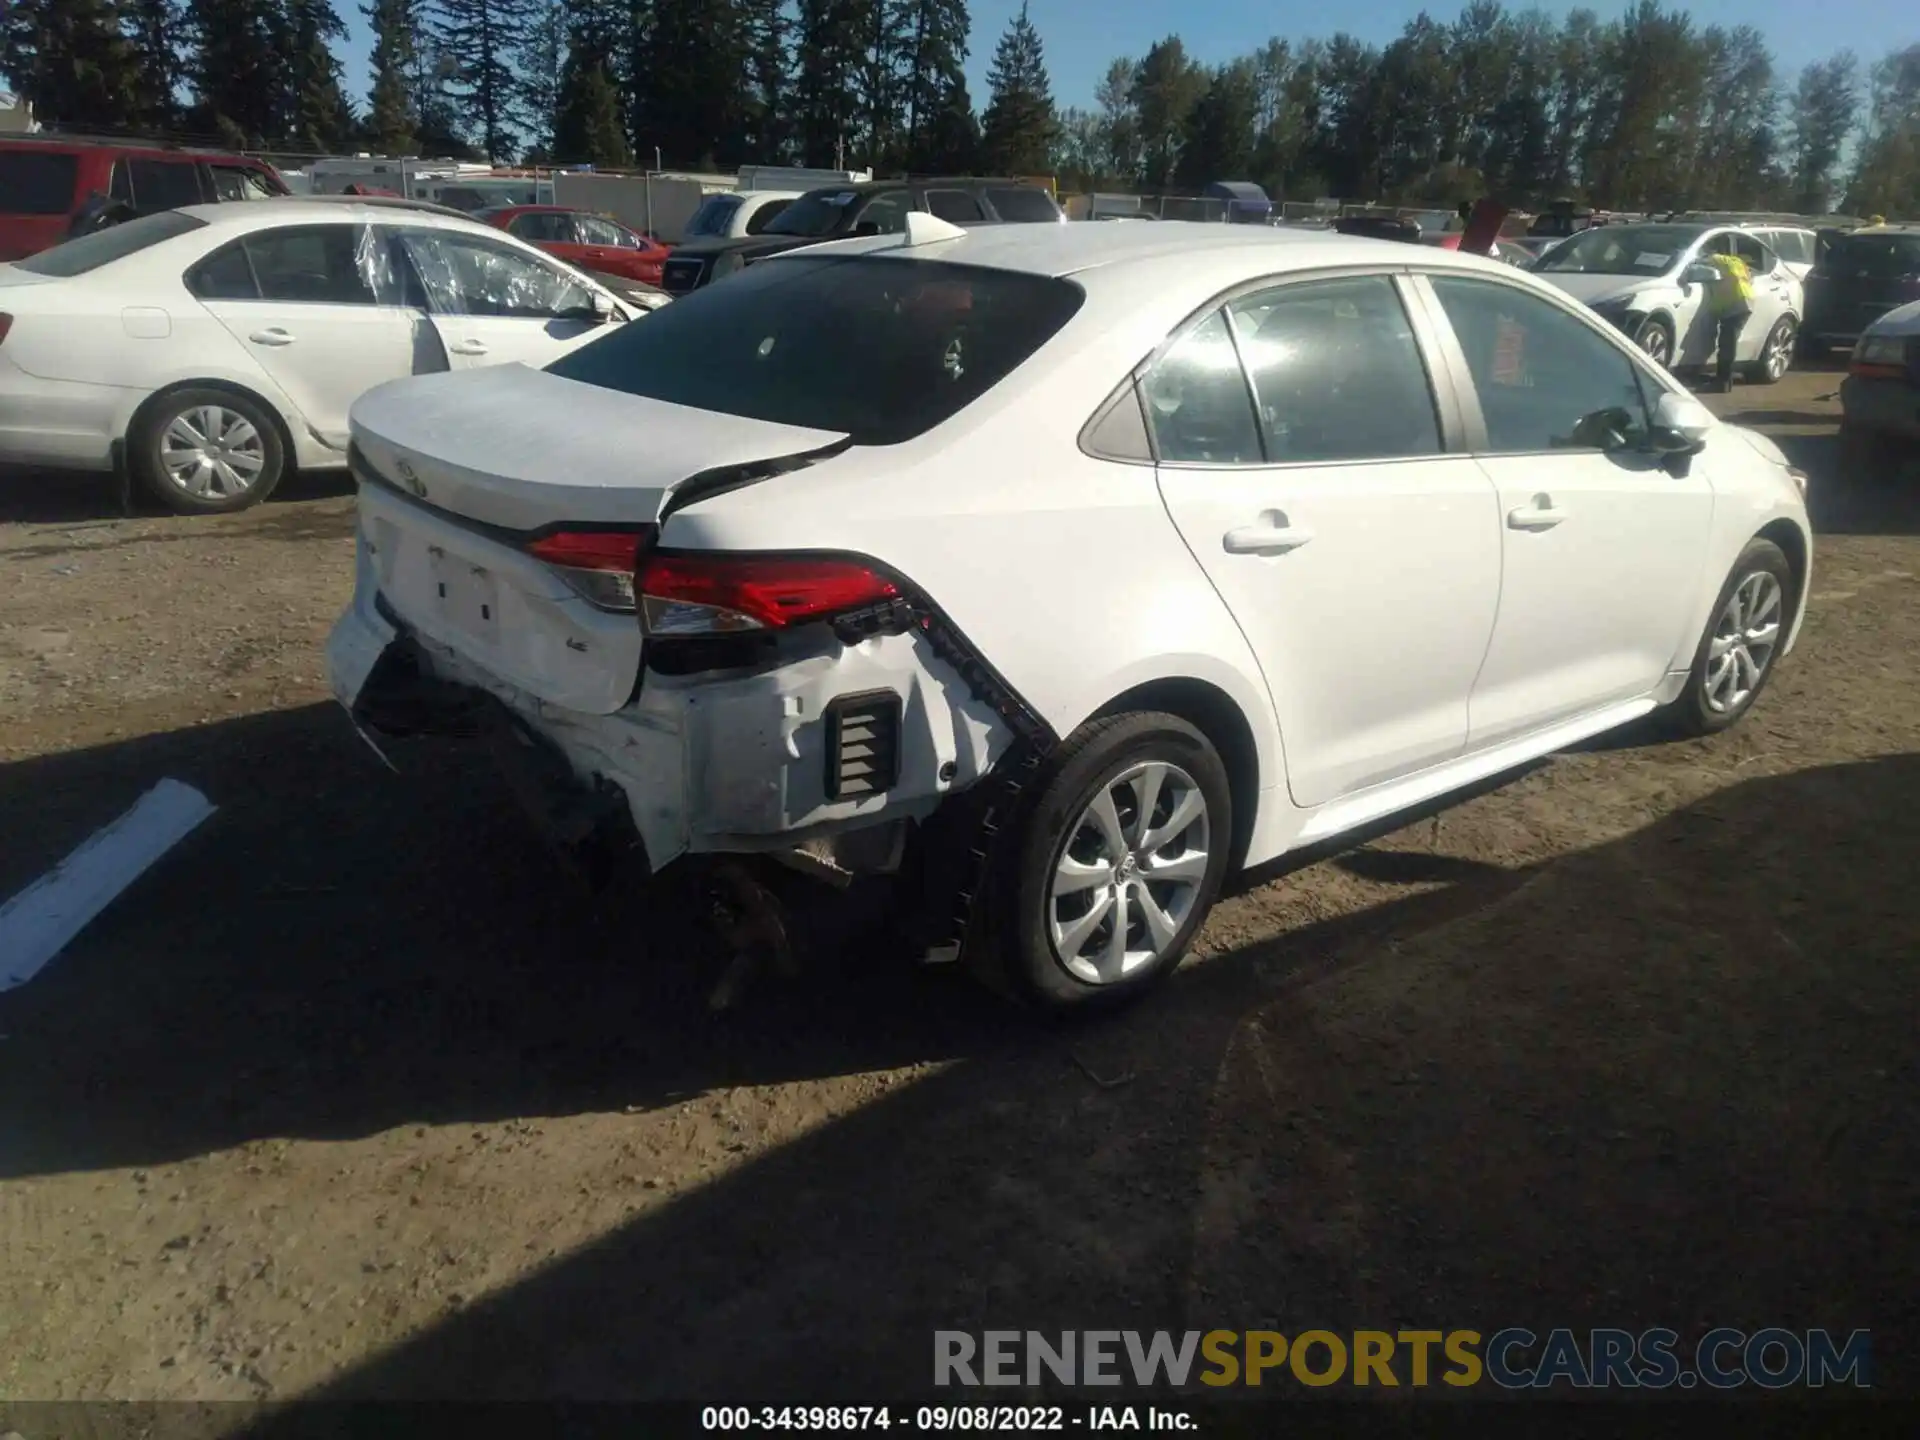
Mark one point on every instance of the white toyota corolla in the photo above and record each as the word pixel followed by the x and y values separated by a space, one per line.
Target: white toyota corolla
pixel 1073 566
pixel 211 350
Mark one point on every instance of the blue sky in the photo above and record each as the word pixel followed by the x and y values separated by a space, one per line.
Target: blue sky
pixel 1083 36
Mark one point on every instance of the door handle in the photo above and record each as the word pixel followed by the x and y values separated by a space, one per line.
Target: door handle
pixel 1267 538
pixel 468 347
pixel 272 336
pixel 1541 514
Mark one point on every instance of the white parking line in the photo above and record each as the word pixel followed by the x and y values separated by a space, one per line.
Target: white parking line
pixel 36 924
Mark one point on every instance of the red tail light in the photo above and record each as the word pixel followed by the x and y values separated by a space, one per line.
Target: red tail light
pixel 691 595
pixel 600 564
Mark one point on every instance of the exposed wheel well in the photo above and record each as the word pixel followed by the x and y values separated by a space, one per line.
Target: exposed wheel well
pixel 1214 714
pixel 1793 544
pixel 288 463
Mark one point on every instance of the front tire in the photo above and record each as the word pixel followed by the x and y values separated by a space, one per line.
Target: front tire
pixel 1776 355
pixel 1656 341
pixel 1741 648
pixel 1118 862
pixel 203 451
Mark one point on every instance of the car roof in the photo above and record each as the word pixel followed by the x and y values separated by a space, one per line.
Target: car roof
pixel 83 145
pixel 323 209
pixel 902 182
pixel 1075 248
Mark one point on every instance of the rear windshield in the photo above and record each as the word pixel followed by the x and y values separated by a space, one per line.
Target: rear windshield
pixel 1887 255
pixel 37 182
pixel 103 247
pixel 880 349
pixel 712 216
pixel 1022 204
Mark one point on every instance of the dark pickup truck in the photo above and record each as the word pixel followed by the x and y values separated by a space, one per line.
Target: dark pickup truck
pixel 879 207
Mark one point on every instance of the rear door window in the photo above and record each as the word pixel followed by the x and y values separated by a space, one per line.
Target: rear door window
pixel 1336 372
pixel 1022 204
pixel 312 265
pixel 37 182
pixel 879 349
pixel 956 206
pixel 165 184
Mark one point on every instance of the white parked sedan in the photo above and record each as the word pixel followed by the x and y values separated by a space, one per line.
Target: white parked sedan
pixel 1167 549
pixel 213 348
pixel 1652 282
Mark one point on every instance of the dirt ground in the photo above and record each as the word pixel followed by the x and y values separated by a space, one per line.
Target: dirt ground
pixel 355 1095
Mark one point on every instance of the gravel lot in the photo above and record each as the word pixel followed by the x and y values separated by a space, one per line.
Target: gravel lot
pixel 355 1094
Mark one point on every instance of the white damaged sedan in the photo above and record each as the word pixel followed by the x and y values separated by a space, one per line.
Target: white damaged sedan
pixel 1070 567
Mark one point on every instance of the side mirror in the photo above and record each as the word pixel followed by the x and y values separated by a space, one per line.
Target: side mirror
pixel 603 308
pixel 1681 424
pixel 1698 274
pixel 866 227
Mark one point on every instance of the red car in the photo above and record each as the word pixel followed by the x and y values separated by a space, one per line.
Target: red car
pixel 592 242
pixel 51 184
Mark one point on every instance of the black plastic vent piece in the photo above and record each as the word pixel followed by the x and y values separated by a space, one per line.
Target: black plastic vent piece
pixel 863 744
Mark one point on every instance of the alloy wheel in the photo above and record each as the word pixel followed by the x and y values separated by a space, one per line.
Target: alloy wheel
pixel 1129 872
pixel 211 452
pixel 1744 640
pixel 1779 349
pixel 1653 340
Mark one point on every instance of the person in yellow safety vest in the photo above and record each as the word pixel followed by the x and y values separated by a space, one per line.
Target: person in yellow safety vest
pixel 1730 302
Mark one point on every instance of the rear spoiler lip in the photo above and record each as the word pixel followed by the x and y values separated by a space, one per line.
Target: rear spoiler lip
pixel 701 485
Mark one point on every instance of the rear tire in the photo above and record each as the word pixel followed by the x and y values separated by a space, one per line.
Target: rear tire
pixel 1737 655
pixel 1776 354
pixel 206 451
pixel 1119 858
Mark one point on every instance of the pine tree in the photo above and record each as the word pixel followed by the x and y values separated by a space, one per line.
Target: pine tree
pixel 154 27
pixel 764 34
pixel 590 127
pixel 238 75
pixel 936 85
pixel 826 58
pixel 543 66
pixel 881 39
pixel 71 61
pixel 392 119
pixel 1019 125
pixel 318 117
pixel 482 40
pixel 688 64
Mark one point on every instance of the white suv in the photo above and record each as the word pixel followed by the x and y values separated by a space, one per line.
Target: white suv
pixel 1075 565
pixel 1651 281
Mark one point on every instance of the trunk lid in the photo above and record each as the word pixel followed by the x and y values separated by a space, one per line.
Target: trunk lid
pixel 458 468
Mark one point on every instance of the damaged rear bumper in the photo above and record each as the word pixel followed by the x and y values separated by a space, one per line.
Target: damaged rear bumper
pixel 715 763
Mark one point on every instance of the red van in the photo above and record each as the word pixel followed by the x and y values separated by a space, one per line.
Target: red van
pixel 46 181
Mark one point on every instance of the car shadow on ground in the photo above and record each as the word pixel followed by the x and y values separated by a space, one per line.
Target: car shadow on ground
pixel 1665 1081
pixel 42 497
pixel 340 950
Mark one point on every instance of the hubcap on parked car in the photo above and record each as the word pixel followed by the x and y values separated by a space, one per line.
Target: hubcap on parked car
pixel 1127 876
pixel 211 451
pixel 1744 639
pixel 1780 350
